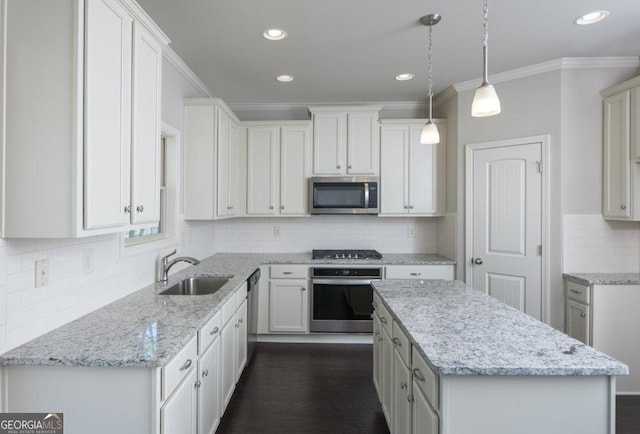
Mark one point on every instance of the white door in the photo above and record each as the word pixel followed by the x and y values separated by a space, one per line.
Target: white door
pixel 223 165
pixel 241 339
pixel 262 150
pixel 394 170
pixel 178 414
pixel 234 170
pixel 505 223
pixel 294 154
pixel 328 143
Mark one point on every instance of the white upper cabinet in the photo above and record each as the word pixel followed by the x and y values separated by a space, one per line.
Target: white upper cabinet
pixel 211 160
pixel 277 168
pixel 412 175
pixel 621 142
pixel 81 111
pixel 345 140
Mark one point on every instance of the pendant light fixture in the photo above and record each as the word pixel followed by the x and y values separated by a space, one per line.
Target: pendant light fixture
pixel 430 135
pixel 485 101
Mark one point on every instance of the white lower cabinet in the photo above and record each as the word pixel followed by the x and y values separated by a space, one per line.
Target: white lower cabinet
pixel 386 376
pixel 424 418
pixel 289 299
pixel 209 390
pixel 376 352
pixel 178 414
pixel 402 398
pixel 233 341
pixel 439 271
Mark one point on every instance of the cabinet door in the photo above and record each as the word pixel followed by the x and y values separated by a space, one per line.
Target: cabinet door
pixel 241 339
pixel 107 117
pixel 394 170
pixel 288 306
pixel 262 146
pixel 386 375
pixel 233 171
pixel 377 352
pixel 145 146
pixel 294 157
pixel 222 175
pixel 209 390
pixel 578 321
pixel 635 123
pixel 401 395
pixel 423 163
pixel 329 138
pixel 228 354
pixel 616 203
pixel 425 419
pixel 363 143
pixel 178 414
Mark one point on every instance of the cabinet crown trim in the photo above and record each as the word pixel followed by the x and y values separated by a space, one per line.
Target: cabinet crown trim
pixel 621 87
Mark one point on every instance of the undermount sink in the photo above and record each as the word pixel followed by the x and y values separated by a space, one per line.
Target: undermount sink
pixel 202 285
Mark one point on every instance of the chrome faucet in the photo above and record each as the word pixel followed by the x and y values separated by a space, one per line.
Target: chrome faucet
pixel 166 264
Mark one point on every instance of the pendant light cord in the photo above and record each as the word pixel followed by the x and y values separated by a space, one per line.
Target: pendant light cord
pixel 485 45
pixel 430 78
pixel 485 23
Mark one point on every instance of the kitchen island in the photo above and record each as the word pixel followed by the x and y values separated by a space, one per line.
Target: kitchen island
pixel 476 365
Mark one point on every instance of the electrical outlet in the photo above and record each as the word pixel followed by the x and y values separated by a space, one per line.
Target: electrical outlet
pixel 42 272
pixel 276 231
pixel 87 261
pixel 411 232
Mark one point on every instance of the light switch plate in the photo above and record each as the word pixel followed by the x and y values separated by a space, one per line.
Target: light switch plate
pixel 42 272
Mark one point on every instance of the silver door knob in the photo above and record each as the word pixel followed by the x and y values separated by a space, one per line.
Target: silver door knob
pixel 477 261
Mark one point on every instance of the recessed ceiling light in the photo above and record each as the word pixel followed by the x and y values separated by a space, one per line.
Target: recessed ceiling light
pixel 274 34
pixel 284 78
pixel 592 17
pixel 404 76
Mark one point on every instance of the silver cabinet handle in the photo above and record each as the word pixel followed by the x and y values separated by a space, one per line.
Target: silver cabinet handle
pixel 410 206
pixel 582 314
pixel 418 374
pixel 186 365
pixel 403 385
pixel 416 274
pixel 575 292
pixel 127 209
pixel 287 272
pixel 271 207
pixel 383 320
pixel 338 166
pixel 477 261
pixel 623 207
pixel 214 331
pixel 198 384
pixel 140 208
pixel 205 372
pixel 396 341
pixel 410 398
pixel 349 166
pixel 240 321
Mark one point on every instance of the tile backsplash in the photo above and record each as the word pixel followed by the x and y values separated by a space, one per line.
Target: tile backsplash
pixel 592 245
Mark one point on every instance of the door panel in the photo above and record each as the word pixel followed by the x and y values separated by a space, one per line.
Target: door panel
pixel 293 170
pixel 506 225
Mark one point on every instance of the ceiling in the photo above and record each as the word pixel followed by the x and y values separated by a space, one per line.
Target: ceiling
pixel 349 51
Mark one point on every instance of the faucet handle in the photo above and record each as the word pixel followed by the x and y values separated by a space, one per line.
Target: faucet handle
pixel 165 258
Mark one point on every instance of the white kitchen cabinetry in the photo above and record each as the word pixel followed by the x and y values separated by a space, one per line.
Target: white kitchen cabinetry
pixel 621 171
pixel 211 160
pixel 288 299
pixel 178 414
pixel 209 407
pixel 81 117
pixel 233 341
pixel 437 271
pixel 346 140
pixel 411 174
pixel 606 317
pixel 278 160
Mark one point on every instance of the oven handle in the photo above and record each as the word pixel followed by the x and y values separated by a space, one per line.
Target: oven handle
pixel 343 281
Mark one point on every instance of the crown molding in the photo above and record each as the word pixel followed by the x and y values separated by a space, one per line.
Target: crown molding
pixel 183 69
pixel 553 65
pixel 389 105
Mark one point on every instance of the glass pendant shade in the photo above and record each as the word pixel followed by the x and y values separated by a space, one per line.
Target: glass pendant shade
pixel 485 101
pixel 430 134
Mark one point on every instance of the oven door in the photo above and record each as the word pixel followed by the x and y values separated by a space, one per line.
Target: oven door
pixel 341 306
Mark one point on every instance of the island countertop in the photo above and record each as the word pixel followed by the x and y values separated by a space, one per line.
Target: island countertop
pixel 461 331
pixel 604 278
pixel 145 329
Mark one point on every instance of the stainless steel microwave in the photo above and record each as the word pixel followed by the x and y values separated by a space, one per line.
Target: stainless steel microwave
pixel 343 195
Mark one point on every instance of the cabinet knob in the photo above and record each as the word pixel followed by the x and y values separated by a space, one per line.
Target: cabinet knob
pixel 205 372
pixel 349 166
pixel 229 207
pixel 186 365
pixel 127 209
pixel 214 331
pixel 397 342
pixel 406 207
pixel 240 321
pixel 338 166
pixel 198 384
pixel 623 207
pixel 403 385
pixel 410 206
pixel 271 207
pixel 582 314
pixel 410 398
pixel 140 208
pixel 281 206
pixel 418 374
pixel 303 288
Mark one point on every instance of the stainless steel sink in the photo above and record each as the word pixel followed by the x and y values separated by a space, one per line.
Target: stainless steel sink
pixel 202 285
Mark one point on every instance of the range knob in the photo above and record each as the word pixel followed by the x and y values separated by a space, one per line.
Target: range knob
pixel 343 256
pixel 349 256
pixel 355 256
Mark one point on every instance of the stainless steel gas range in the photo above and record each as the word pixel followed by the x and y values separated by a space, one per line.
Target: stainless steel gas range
pixel 341 294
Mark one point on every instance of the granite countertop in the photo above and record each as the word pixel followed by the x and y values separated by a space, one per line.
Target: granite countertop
pixel 461 331
pixel 145 329
pixel 605 278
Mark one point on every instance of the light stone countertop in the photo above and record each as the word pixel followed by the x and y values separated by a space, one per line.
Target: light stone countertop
pixel 604 278
pixel 145 329
pixel 461 331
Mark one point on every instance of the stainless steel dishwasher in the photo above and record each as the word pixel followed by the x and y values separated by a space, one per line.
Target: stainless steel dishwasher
pixel 253 285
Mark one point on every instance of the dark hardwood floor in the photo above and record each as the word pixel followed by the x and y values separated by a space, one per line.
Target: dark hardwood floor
pixel 306 388
pixel 313 388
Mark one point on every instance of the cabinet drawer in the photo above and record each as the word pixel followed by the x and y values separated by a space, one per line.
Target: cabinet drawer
pixel 578 292
pixel 288 271
pixel 419 272
pixel 229 308
pixel 241 294
pixel 401 343
pixel 174 371
pixel 426 379
pixel 209 332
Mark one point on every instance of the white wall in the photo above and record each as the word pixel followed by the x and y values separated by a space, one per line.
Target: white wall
pixel 27 312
